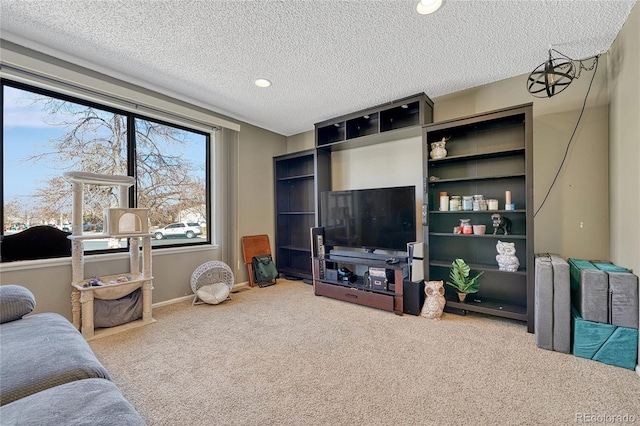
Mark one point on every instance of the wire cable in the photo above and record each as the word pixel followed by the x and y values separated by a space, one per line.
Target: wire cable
pixel 566 152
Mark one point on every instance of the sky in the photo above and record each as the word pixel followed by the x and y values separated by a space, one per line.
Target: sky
pixel 25 132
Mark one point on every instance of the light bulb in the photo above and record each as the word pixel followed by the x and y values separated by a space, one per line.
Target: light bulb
pixel 426 7
pixel 262 82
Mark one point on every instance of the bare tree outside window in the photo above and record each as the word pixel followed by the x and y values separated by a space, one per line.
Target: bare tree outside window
pixel 171 176
pixel 61 135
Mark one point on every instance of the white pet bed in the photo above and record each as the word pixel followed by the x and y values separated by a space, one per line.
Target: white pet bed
pixel 211 283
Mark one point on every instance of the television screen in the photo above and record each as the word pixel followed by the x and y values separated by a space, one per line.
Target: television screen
pixel 380 218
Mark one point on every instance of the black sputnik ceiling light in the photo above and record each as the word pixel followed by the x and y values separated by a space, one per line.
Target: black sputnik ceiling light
pixel 555 75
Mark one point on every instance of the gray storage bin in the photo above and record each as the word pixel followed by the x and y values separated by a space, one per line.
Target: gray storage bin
pixel 552 303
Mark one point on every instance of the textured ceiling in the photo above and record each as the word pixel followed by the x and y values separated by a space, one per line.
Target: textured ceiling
pixel 325 57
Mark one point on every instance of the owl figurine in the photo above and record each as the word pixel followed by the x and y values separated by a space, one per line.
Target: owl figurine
pixel 434 301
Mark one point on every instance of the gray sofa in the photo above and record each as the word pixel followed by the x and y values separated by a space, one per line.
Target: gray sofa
pixel 48 372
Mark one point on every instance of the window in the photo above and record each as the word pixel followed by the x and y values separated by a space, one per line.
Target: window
pixel 46 134
pixel 171 170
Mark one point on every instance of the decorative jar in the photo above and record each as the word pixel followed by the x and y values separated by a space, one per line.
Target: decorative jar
pixel 467 203
pixel 455 203
pixel 444 202
pixel 465 226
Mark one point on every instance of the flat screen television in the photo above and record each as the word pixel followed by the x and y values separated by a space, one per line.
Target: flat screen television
pixel 379 218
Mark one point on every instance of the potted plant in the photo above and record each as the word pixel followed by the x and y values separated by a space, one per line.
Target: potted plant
pixel 460 281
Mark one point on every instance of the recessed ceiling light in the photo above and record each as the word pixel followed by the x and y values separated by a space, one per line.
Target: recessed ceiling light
pixel 426 7
pixel 263 82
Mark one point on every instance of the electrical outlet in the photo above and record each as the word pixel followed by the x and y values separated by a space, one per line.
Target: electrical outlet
pixel 581 225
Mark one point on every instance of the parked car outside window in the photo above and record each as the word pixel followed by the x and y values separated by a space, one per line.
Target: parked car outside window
pixel 178 229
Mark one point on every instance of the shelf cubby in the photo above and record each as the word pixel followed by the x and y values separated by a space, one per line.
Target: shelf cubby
pixel 366 125
pixel 404 115
pixel 336 132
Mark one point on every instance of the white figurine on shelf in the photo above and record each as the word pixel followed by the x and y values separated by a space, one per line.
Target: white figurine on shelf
pixel 506 257
pixel 438 149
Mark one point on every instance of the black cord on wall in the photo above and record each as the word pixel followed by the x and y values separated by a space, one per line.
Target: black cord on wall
pixel 566 152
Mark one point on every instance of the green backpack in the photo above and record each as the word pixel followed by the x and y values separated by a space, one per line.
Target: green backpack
pixel 264 270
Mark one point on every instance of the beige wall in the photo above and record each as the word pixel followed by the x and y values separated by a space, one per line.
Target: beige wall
pixel 243 202
pixel 574 221
pixel 256 209
pixel 396 163
pixel 624 143
pixel 301 141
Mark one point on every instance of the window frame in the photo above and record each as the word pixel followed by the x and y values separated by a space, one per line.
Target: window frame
pixel 131 117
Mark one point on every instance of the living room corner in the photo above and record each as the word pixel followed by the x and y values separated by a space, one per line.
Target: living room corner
pixel 334 163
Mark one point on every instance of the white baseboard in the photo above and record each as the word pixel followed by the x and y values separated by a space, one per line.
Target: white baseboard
pixel 172 301
pixel 240 286
pixel 638 369
pixel 236 287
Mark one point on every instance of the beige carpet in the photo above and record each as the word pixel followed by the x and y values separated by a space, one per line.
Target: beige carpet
pixel 282 356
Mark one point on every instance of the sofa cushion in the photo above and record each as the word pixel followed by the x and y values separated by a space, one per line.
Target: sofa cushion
pixel 84 402
pixel 15 302
pixel 606 343
pixel 42 351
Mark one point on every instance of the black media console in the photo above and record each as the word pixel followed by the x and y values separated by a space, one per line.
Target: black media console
pixel 384 291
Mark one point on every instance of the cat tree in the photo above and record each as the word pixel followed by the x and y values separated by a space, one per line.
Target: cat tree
pixel 118 223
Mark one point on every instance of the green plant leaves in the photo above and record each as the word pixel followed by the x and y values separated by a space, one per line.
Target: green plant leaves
pixel 459 276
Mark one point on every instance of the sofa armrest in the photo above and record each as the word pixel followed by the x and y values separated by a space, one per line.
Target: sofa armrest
pixel 15 302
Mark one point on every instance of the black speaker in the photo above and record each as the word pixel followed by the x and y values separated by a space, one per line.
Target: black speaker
pixel 412 297
pixel 318 251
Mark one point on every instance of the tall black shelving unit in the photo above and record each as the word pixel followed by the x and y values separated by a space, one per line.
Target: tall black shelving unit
pixel 297 187
pixel 488 154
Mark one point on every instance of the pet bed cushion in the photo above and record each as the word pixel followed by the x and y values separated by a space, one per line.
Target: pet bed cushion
pixel 213 293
